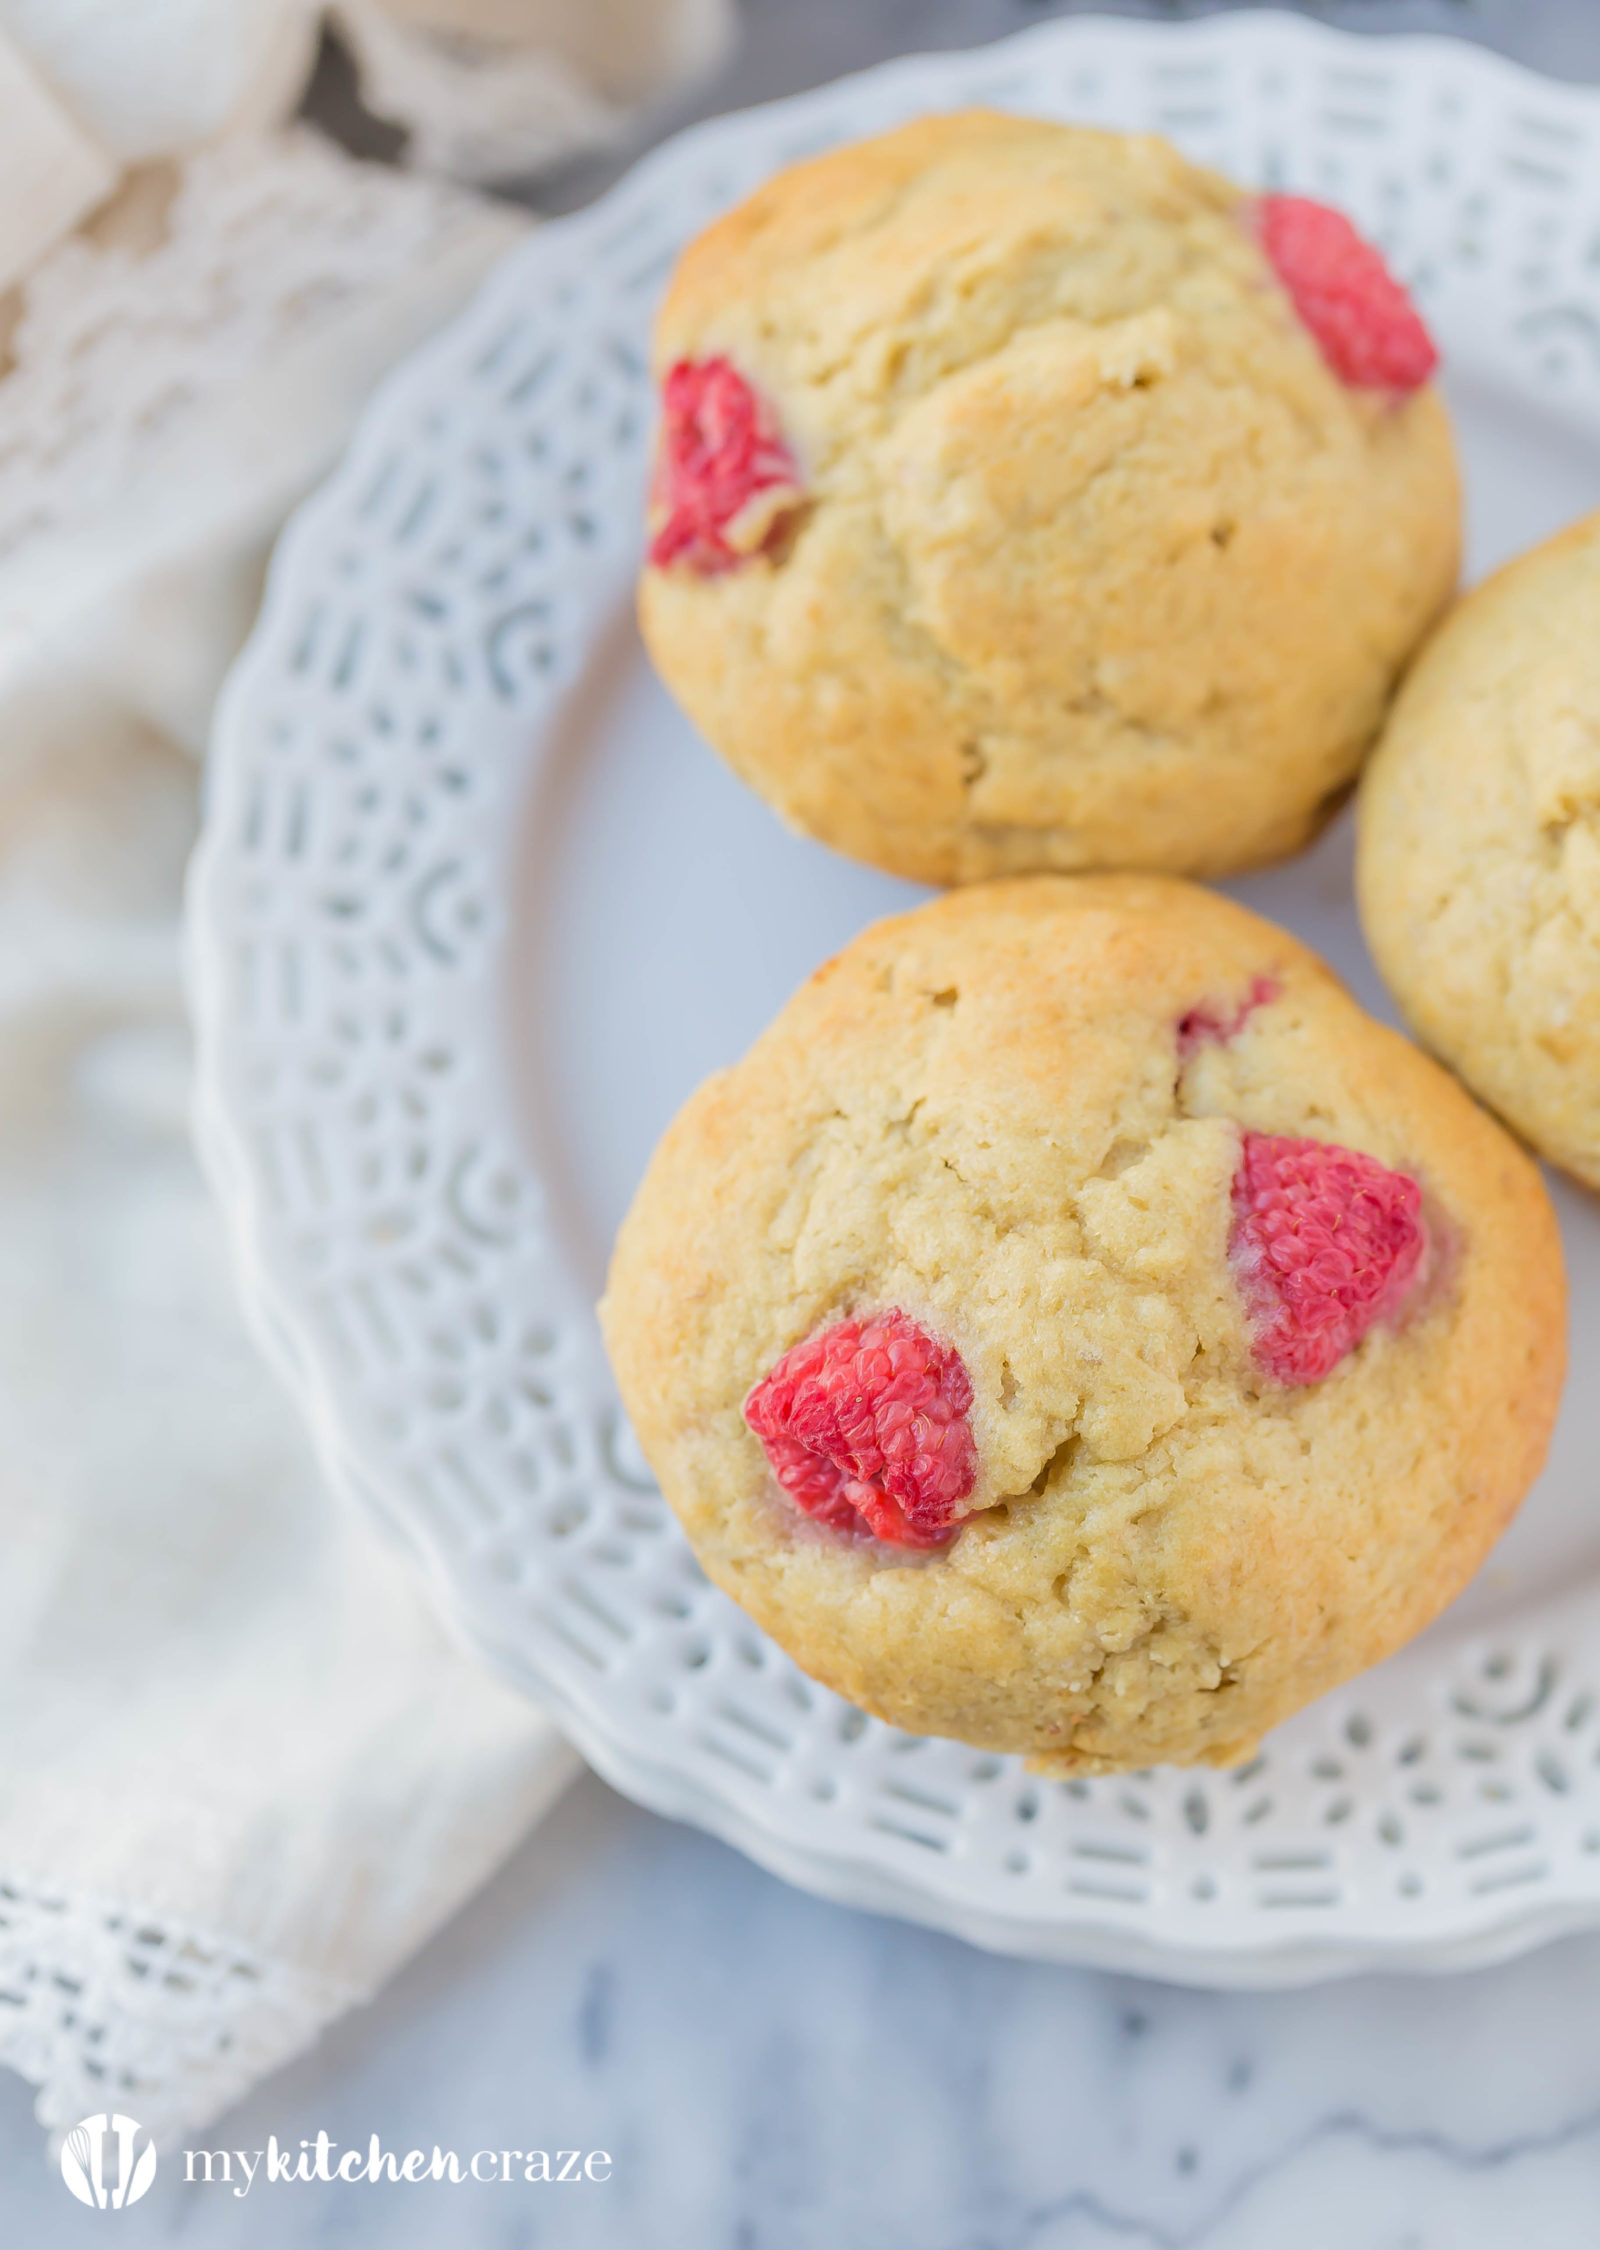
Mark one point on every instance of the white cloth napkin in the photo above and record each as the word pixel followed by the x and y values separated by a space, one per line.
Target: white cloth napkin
pixel 485 89
pixel 243 1770
pixel 243 1773
pixel 489 89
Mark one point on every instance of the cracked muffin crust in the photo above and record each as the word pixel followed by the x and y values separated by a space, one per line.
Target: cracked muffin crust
pixel 971 1231
pixel 1478 871
pixel 1011 510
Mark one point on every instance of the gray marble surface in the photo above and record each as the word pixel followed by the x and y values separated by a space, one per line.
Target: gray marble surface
pixel 769 2073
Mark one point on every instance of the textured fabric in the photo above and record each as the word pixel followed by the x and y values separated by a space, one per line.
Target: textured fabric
pixel 51 172
pixel 243 1769
pixel 487 89
pixel 483 88
pixel 146 77
pixel 225 1706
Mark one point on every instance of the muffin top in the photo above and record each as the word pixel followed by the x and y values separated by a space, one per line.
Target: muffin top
pixel 1226 1330
pixel 1479 862
pixel 1029 496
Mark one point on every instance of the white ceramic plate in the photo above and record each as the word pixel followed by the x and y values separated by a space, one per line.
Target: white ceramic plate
pixel 474 910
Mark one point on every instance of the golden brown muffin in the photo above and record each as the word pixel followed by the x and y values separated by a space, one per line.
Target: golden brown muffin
pixel 1479 863
pixel 1065 546
pixel 1207 1333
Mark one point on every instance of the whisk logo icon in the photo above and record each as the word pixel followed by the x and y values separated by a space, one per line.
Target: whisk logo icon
pixel 99 2165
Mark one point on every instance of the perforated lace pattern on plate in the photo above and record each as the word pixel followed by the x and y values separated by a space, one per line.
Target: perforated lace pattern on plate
pixel 373 758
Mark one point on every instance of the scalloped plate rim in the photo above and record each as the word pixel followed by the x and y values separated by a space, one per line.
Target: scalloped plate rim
pixel 1076 1935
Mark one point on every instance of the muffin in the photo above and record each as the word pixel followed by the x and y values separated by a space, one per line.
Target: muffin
pixel 1076 1328
pixel 1478 871
pixel 1029 498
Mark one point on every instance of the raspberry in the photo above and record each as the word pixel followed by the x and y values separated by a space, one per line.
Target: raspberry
pixel 865 1425
pixel 1370 332
pixel 1326 1241
pixel 1206 1026
pixel 724 478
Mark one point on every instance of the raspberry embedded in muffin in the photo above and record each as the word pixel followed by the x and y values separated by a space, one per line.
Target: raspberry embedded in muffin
pixel 1365 323
pixel 866 1428
pixel 1326 1241
pixel 724 478
pixel 1208 1025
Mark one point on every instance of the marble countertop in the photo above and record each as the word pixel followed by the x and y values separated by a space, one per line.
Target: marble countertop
pixel 770 2073
pixel 767 2072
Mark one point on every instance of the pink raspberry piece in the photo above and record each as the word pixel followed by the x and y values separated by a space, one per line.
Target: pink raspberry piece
pixel 1371 334
pixel 866 1427
pixel 724 479
pixel 1325 1241
pixel 1209 1026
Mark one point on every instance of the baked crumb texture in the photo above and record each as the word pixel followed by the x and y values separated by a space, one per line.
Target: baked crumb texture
pixel 984 1117
pixel 1478 872
pixel 1077 551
